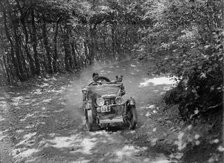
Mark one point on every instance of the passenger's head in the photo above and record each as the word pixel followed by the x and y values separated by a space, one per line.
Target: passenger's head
pixel 95 76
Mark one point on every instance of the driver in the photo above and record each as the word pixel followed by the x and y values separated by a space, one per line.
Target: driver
pixel 95 76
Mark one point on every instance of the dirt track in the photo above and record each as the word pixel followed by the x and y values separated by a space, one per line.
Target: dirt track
pixel 44 123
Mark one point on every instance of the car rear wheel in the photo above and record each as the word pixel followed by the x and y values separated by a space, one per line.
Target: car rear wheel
pixel 132 117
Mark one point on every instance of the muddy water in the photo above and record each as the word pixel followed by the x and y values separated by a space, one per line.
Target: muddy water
pixel 47 123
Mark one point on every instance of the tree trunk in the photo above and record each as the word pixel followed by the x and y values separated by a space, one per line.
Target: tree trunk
pixel 18 54
pixel 67 49
pixel 34 43
pixel 222 27
pixel 74 54
pixel 29 56
pixel 16 68
pixel 86 61
pixel 79 58
pixel 6 69
pixel 113 39
pixel 17 50
pixel 3 72
pixel 46 46
pixel 55 56
pixel 91 45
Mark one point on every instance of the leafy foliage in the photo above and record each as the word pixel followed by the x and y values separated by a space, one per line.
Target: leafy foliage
pixel 186 39
pixel 44 37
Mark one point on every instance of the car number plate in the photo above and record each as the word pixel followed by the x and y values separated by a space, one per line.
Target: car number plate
pixel 105 109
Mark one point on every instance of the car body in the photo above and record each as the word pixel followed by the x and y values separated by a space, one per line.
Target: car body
pixel 103 104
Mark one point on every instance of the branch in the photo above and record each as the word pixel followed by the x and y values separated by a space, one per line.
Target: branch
pixel 215 106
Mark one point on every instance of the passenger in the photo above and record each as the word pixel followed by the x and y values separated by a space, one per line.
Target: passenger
pixel 119 79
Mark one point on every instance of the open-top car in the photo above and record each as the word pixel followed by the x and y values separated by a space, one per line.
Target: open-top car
pixel 103 104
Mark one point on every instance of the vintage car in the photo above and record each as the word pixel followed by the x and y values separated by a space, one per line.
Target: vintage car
pixel 103 104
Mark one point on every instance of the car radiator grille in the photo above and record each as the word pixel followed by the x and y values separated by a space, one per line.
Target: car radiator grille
pixel 109 101
pixel 117 109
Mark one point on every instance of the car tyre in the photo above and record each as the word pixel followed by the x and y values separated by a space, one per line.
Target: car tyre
pixel 89 119
pixel 132 117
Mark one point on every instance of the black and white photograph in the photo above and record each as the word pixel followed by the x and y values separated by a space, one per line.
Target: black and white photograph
pixel 111 81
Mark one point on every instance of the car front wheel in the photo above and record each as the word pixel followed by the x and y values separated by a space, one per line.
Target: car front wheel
pixel 89 119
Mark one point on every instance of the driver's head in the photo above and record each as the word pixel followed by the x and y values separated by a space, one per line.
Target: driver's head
pixel 95 76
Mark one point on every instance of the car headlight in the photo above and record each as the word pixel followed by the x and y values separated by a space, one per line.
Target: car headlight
pixel 98 109
pixel 119 100
pixel 100 101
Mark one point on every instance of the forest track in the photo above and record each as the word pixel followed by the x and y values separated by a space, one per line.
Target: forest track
pixel 45 122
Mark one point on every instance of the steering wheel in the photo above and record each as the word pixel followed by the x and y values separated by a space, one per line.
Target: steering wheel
pixel 100 80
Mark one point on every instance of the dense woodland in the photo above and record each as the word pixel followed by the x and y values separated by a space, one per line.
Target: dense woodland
pixel 183 37
pixel 40 37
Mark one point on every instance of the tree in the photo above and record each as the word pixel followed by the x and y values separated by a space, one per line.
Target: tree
pixel 188 44
pixel 56 35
